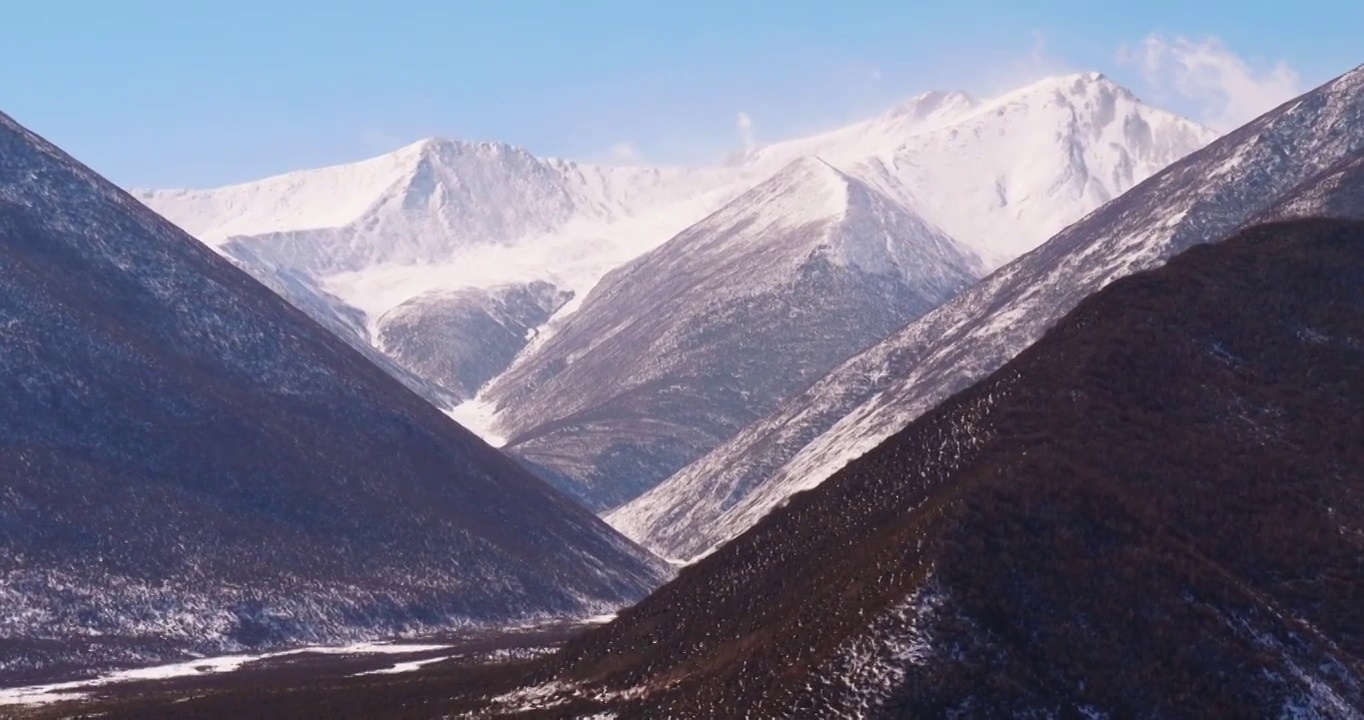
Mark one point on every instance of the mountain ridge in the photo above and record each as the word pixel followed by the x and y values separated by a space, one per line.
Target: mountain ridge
pixel 872 395
pixel 1183 444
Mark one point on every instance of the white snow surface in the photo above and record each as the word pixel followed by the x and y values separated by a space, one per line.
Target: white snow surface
pixel 998 176
pixel 405 667
pixel 77 689
pixel 873 665
pixel 879 391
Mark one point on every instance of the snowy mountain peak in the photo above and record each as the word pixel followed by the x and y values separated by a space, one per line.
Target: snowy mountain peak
pixel 1008 174
pixel 806 188
pixel 935 105
pixel 449 150
pixel 845 221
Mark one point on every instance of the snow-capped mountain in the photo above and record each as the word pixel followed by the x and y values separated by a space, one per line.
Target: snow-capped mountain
pixel 190 464
pixel 1178 457
pixel 1003 176
pixel 437 218
pixel 677 350
pixel 421 204
pixel 877 392
pixel 443 218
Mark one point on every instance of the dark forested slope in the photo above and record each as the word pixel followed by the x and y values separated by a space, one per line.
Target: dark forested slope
pixel 1156 511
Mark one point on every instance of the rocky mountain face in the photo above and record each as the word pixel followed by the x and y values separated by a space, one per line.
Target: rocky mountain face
pixel 677 350
pixel 463 338
pixel 191 465
pixel 875 393
pixel 1179 457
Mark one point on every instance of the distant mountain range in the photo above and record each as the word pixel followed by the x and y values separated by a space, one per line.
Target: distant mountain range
pixel 191 465
pixel 468 264
pixel 1238 179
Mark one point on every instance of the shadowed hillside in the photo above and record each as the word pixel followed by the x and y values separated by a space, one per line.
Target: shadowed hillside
pixel 1157 511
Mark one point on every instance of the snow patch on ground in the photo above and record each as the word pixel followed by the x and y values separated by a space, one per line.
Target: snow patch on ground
pixel 479 418
pixel 78 689
pixel 405 666
pixel 873 666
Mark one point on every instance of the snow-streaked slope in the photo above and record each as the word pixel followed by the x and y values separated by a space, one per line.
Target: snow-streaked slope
pixel 877 136
pixel 1022 167
pixel 877 392
pixel 308 199
pixel 1338 192
pixel 190 464
pixel 463 338
pixel 431 200
pixel 677 350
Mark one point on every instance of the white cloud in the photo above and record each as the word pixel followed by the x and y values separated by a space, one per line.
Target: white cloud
pixel 623 153
pixel 1010 72
pixel 745 126
pixel 380 140
pixel 1226 90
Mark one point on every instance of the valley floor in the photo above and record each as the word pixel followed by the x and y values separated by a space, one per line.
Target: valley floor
pixel 432 677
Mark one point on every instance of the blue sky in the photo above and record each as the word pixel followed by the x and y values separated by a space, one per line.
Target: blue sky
pixel 178 94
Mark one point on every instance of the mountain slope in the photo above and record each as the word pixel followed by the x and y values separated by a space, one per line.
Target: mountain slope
pixel 191 465
pixel 863 401
pixel 1180 457
pixel 1338 192
pixel 677 350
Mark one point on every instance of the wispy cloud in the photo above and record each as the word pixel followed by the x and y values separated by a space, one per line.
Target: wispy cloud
pixel 1006 73
pixel 623 153
pixel 745 127
pixel 1226 90
pixel 380 140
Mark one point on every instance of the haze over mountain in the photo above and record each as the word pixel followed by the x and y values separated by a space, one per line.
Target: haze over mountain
pixel 1181 456
pixel 877 392
pixel 192 465
pixel 431 254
